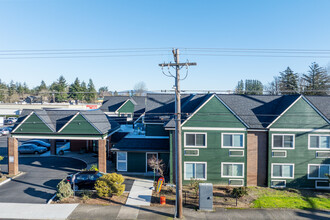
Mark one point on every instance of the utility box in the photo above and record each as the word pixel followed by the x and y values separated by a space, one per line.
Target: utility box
pixel 206 196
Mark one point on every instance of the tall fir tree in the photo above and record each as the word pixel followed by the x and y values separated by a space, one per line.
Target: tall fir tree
pixel 92 94
pixel 75 91
pixel 288 82
pixel 59 89
pixel 317 80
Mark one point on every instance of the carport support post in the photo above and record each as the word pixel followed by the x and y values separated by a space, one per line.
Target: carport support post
pixel 102 156
pixel 12 156
pixel 52 146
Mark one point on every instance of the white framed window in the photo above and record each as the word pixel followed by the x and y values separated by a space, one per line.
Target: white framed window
pixel 322 184
pixel 195 170
pixel 278 183
pixel 318 141
pixel 279 153
pixel 191 152
pixel 195 139
pixel 283 141
pixel 322 154
pixel 236 182
pixel 122 161
pixel 236 153
pixel 282 170
pixel 318 171
pixel 232 169
pixel 232 140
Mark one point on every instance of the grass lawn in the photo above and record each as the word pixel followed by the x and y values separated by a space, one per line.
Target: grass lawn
pixel 290 199
pixel 258 197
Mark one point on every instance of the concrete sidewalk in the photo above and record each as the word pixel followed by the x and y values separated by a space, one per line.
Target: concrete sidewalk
pixel 35 211
pixel 141 192
pixel 75 211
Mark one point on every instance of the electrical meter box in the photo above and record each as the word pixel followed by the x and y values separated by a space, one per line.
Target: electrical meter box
pixel 206 196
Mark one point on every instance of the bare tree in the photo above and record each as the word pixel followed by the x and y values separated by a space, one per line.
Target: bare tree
pixel 157 165
pixel 140 88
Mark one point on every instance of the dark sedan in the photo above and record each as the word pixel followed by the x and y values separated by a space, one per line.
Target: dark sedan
pixel 84 180
pixel 31 149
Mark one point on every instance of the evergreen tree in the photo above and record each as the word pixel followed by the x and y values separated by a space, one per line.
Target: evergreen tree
pixel 288 82
pixel 240 87
pixel 253 87
pixel 19 89
pixel 3 89
pixel 75 91
pixel 11 90
pixel 83 89
pixel 59 88
pixel 42 86
pixel 317 80
pixel 92 94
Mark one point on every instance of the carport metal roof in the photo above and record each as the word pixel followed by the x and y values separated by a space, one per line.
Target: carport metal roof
pixel 64 124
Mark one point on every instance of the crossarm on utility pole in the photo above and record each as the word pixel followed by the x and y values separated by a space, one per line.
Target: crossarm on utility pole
pixel 177 64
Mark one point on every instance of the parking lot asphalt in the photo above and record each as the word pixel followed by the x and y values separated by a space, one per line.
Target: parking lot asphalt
pixel 38 184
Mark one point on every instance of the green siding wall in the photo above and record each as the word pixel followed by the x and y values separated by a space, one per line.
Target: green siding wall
pixel 136 162
pixel 300 116
pixel 155 130
pixel 301 156
pixel 214 155
pixel 128 107
pixel 33 125
pixel 79 125
pixel 166 158
pixel 214 114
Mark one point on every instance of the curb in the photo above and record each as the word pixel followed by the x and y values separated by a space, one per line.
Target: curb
pixel 9 179
pixel 51 199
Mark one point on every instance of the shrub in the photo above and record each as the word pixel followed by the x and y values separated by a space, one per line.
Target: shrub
pixel 64 190
pixel 195 186
pixel 93 168
pixel 109 185
pixel 239 192
pixel 86 194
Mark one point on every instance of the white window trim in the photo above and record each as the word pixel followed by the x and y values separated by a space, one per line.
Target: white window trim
pixel 230 146
pixel 185 178
pixel 121 160
pixel 318 135
pixel 236 180
pixel 236 155
pixel 243 170
pixel 271 185
pixel 279 151
pixel 147 159
pixel 322 187
pixel 317 178
pixel 189 146
pixel 317 152
pixel 284 148
pixel 195 155
pixel 276 177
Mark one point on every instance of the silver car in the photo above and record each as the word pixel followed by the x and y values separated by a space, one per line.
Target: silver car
pixel 31 149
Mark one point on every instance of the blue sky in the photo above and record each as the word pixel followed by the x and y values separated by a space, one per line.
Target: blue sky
pixel 73 24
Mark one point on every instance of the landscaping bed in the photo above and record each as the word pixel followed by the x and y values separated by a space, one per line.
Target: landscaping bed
pixel 92 199
pixel 257 197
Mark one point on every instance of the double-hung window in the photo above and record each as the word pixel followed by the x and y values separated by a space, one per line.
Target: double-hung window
pixel 318 171
pixel 319 142
pixel 195 170
pixel 285 171
pixel 195 139
pixel 122 161
pixel 232 140
pixel 232 170
pixel 283 141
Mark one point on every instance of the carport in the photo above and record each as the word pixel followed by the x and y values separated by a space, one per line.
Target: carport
pixel 89 125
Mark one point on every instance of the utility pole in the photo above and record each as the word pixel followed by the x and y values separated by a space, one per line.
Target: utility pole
pixel 178 148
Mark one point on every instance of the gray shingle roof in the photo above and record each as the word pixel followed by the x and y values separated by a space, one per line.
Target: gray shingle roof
pixel 57 118
pixel 258 111
pixel 322 103
pixel 142 144
pixel 112 103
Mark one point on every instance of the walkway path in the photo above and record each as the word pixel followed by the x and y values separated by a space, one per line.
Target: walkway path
pixel 141 192
pixel 35 211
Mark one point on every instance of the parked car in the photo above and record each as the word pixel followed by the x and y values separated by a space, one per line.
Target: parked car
pixel 8 122
pixel 31 149
pixel 4 131
pixel 14 119
pixel 61 147
pixel 39 143
pixel 84 180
